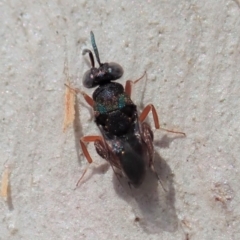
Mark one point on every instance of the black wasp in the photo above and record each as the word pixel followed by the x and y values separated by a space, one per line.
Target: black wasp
pixel 126 141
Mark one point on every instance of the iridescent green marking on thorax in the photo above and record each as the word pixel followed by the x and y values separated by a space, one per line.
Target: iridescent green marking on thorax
pixel 115 103
pixel 121 101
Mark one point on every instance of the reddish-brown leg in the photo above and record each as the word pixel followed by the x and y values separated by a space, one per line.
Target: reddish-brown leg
pixel 146 111
pixel 84 140
pixel 87 98
pixel 88 139
pixel 106 153
pixel 129 83
pixel 102 150
pixel 147 136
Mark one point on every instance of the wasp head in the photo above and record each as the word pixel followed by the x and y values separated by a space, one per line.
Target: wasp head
pixel 105 73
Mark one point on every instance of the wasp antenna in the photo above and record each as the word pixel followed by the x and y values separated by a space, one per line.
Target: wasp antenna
pixel 94 45
pixel 90 56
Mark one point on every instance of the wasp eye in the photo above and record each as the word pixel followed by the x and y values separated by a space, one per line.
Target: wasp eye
pixel 89 78
pixel 115 70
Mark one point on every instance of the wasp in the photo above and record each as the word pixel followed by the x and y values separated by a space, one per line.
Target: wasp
pixel 126 141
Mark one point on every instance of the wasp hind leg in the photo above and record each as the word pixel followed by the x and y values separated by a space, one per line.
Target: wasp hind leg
pixel 148 139
pixel 148 136
pixel 103 151
pixel 83 141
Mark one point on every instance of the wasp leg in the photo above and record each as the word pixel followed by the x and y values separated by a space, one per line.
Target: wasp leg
pixel 148 139
pixel 102 150
pixel 146 111
pixel 87 98
pixel 129 83
pixel 106 153
pixel 88 139
pixel 84 140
